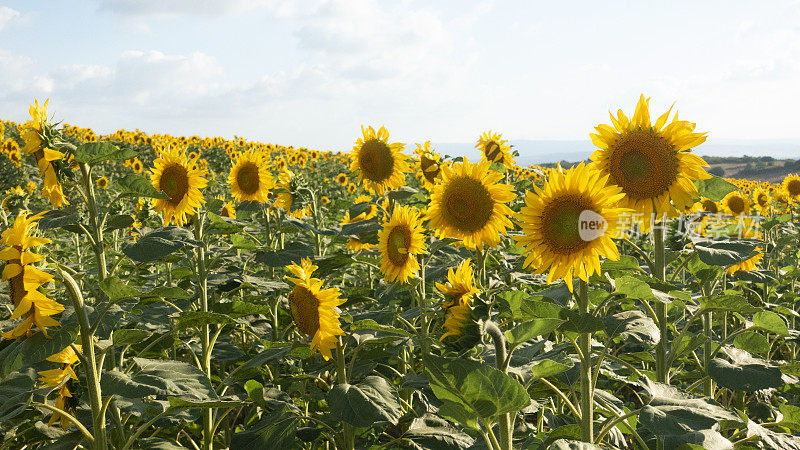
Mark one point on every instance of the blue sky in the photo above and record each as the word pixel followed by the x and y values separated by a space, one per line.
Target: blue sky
pixel 309 73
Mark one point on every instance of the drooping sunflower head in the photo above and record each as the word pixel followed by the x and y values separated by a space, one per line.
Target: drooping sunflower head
pixel 429 165
pixel 179 178
pixel 569 223
pixel 791 184
pixel 250 180
pixel 400 241
pixel 286 198
pixel 458 302
pixel 736 204
pixel 314 310
pixel 342 179
pixel 495 149
pixel 470 204
pixel 381 166
pixel 650 161
pixel 24 279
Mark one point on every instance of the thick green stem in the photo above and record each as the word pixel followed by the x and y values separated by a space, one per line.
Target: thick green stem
pixel 500 356
pixel 587 390
pixel 205 331
pixel 92 374
pixel 348 434
pixel 97 227
pixel 662 371
pixel 708 384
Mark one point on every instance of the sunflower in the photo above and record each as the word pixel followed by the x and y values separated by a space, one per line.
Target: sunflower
pixel 24 279
pixel 761 198
pixel 176 176
pixel 31 186
pixel 429 165
pixel 250 180
pixel 709 206
pixel 747 265
pixel 568 224
pixel 355 244
pixel 736 204
pixel 351 188
pixel 470 204
pixel 381 166
pixel 459 291
pixel 494 149
pixel 791 184
pixel 342 179
pixel 314 309
pixel 650 162
pixel 324 200
pixel 53 377
pixel 285 199
pixel 102 182
pixel 32 133
pixel 400 240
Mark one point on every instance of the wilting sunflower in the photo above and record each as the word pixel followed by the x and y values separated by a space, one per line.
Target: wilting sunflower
pixel 250 180
pixel 24 279
pixel 176 176
pixel 381 166
pixel 735 204
pixel 791 184
pixel 650 162
pixel 342 179
pixel 32 133
pixel 314 309
pixel 102 182
pixel 470 204
pixel 761 199
pixel 400 240
pixel 459 291
pixel 494 149
pixel 355 244
pixel 569 223
pixel 54 377
pixel 429 165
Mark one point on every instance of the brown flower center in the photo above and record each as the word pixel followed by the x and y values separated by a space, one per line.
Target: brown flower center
pixel 793 187
pixel 643 164
pixel 397 245
pixel 736 205
pixel 305 310
pixel 466 204
pixel 175 183
pixel 561 222
pixel 375 160
pixel 247 178
pixel 493 152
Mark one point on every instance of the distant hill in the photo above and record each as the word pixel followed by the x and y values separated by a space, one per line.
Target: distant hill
pixel 768 160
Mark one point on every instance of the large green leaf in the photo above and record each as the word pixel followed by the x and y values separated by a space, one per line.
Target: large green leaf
pixel 752 342
pixel 431 432
pixel 633 326
pixel 725 252
pixel 163 378
pixel 771 439
pixel 772 322
pixel 277 430
pixel 117 289
pixel 714 188
pixel 363 404
pixel 16 393
pixel 752 375
pixel 672 412
pixel 96 152
pixel 531 329
pixel 727 302
pixel 159 243
pixel 483 390
pixel 133 185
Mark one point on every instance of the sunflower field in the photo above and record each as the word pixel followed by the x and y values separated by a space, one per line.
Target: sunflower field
pixel 163 292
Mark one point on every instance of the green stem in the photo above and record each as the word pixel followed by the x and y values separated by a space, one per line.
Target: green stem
pixel 587 390
pixel 205 331
pixel 97 227
pixel 501 356
pixel 348 434
pixel 659 267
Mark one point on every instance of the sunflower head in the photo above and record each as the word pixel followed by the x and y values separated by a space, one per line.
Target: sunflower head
pixel 791 184
pixel 495 149
pixel 736 204
pixel 181 180
pixel 650 162
pixel 249 178
pixel 461 329
pixel 569 223
pixel 102 182
pixel 761 199
pixel 342 179
pixel 324 200
pixel 400 241
pixel 470 204
pixel 429 165
pixel 381 166
pixel 314 310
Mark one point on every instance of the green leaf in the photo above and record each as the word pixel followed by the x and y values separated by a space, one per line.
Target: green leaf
pixel 401 193
pixel 431 432
pixel 747 376
pixel 714 188
pixel 222 225
pixel 531 329
pixel 196 319
pixel 752 342
pixel 293 252
pixel 370 324
pixel 96 152
pixel 242 242
pixel 159 243
pixel 133 185
pixel 633 287
pixel 483 390
pixel 673 412
pixel 772 322
pixel 275 430
pixel 16 392
pixel 161 378
pixel 725 252
pixel 703 439
pixel 126 336
pixel 569 444
pixel 118 222
pixel 633 326
pixel 363 404
pixel 182 403
pixel 580 322
pixel 547 368
pixel 117 289
pixel 791 416
pixel 238 308
pixel 771 439
pixel 726 302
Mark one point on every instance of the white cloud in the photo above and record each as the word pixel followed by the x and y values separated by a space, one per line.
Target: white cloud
pixel 8 16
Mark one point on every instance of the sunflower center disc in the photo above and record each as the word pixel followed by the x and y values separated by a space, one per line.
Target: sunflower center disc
pixel 793 187
pixel 375 160
pixel 399 238
pixel 643 164
pixel 467 204
pixel 305 310
pixel 16 285
pixel 175 183
pixel 247 178
pixel 762 200
pixel 561 224
pixel 710 206
pixel 428 170
pixel 736 205
pixel 492 151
